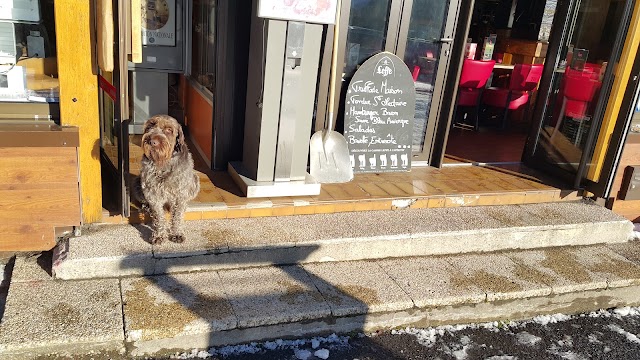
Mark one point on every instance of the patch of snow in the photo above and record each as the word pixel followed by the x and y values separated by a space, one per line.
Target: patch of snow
pixel 524 338
pixel 502 357
pixel 593 339
pixel 550 319
pixel 315 343
pixel 571 356
pixel 630 336
pixel 302 354
pixel 322 354
pixel 606 349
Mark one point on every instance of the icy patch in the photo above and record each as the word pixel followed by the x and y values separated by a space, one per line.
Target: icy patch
pixel 593 339
pixel 302 354
pixel 297 346
pixel 524 338
pixel 550 319
pixel 322 354
pixel 630 336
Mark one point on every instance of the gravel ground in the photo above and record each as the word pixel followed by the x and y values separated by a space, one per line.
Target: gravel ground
pixel 599 335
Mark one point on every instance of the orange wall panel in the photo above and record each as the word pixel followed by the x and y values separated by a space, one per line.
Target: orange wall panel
pixel 198 118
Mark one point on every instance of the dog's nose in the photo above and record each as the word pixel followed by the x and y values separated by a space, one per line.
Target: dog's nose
pixel 155 142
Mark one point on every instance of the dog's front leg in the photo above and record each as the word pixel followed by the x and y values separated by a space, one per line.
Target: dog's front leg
pixel 177 213
pixel 159 223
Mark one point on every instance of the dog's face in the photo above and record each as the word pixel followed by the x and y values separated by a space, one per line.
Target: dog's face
pixel 162 138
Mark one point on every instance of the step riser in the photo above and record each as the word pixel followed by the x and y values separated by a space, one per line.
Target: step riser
pixel 517 309
pixel 455 242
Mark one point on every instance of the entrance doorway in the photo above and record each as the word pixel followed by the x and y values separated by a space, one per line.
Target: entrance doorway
pixel 420 32
pixel 561 128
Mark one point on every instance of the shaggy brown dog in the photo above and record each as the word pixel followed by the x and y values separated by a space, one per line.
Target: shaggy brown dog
pixel 167 178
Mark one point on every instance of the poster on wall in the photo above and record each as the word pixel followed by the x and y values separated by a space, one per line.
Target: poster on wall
pixel 159 22
pixel 313 11
pixel 379 114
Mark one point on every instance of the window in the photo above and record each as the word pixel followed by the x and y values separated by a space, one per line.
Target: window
pixel 203 53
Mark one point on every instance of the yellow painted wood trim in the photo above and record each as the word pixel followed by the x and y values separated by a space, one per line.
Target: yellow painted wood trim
pixel 79 97
pixel 622 72
pixel 136 31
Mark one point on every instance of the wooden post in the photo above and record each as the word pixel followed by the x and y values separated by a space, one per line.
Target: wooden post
pixel 79 96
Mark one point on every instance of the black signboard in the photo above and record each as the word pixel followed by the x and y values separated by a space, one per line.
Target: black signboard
pixel 379 111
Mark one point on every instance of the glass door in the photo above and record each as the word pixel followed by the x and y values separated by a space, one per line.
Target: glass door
pixel 421 33
pixel 575 89
pixel 424 43
pixel 114 38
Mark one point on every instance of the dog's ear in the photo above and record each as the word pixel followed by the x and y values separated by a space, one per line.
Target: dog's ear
pixel 150 123
pixel 180 144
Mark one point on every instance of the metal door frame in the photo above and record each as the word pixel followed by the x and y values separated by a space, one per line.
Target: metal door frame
pixel 443 67
pixel 121 118
pixel 566 11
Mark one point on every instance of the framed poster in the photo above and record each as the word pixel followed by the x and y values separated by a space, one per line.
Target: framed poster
pixel 158 22
pixel 313 11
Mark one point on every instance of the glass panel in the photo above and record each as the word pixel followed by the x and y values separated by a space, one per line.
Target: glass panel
pixel 367 32
pixel 203 54
pixel 577 83
pixel 421 56
pixel 109 141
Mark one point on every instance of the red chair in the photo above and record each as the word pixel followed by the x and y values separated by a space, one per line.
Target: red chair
pixel 524 79
pixel 473 79
pixel 577 93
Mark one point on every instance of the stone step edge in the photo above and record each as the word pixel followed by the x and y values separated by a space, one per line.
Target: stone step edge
pixel 348 249
pixel 488 311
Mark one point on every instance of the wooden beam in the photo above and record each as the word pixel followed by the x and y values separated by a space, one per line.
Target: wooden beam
pixel 79 96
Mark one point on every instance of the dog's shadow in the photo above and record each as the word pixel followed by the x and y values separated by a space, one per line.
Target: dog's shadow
pixel 145 232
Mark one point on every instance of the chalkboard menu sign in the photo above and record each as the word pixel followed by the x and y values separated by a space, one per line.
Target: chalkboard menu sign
pixel 379 111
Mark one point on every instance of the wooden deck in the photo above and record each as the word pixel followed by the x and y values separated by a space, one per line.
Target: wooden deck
pixel 456 184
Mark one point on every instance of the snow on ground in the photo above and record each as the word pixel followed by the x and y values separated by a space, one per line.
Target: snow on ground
pixel 301 348
pixel 316 348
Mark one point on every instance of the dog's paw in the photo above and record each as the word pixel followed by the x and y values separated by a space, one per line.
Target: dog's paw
pixel 178 238
pixel 157 239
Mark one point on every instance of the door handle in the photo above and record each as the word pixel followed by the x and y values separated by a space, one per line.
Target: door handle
pixel 446 40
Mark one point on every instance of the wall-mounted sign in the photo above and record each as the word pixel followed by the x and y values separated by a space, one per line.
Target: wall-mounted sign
pixel 378 116
pixel 159 22
pixel 313 11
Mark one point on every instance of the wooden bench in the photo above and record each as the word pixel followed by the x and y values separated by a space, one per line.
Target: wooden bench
pixel 39 184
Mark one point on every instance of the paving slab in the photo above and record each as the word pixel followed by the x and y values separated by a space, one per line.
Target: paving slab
pixel 43 317
pixel 122 250
pixel 498 276
pixel 558 268
pixel 630 250
pixel 273 295
pixel 32 268
pixel 432 281
pixel 105 251
pixel 158 308
pixel 601 260
pixel 357 287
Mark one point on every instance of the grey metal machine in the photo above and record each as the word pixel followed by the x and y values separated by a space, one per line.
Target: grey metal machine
pixel 163 52
pixel 281 90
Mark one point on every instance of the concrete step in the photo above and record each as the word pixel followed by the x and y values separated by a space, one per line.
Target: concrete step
pixel 165 314
pixel 119 250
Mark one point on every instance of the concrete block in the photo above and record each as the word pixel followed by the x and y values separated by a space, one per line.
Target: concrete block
pixel 432 281
pixel 32 268
pixel 273 295
pixel 498 276
pixel 68 317
pixel 105 251
pixel 186 306
pixel 357 287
